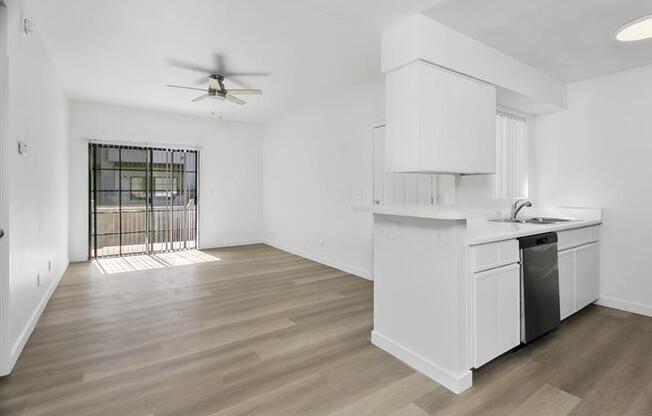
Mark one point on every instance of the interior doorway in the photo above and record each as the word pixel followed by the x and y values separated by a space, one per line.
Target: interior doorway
pixel 142 200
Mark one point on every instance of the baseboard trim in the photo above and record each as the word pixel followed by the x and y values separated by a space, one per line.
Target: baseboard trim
pixel 232 244
pixel 19 344
pixel 356 271
pixel 455 383
pixel 626 306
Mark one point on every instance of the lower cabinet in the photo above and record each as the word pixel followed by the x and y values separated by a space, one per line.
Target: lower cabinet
pixel 587 279
pixel 579 280
pixel 497 293
pixel 496 296
pixel 566 262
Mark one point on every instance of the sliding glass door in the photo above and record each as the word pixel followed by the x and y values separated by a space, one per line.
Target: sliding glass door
pixel 141 199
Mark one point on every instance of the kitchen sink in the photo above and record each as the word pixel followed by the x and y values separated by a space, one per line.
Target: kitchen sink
pixel 519 220
pixel 534 220
pixel 546 220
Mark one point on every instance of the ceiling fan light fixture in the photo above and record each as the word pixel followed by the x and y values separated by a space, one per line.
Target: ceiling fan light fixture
pixel 218 92
pixel 637 29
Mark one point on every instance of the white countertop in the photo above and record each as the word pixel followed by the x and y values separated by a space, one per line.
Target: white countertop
pixel 483 231
pixel 480 230
pixel 443 213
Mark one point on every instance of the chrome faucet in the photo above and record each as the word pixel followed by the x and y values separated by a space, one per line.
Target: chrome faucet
pixel 518 206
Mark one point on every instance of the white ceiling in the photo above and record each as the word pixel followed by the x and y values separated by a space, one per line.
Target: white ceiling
pixel 124 51
pixel 569 39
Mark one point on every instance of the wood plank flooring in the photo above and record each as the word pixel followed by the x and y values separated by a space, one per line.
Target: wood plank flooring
pixel 264 332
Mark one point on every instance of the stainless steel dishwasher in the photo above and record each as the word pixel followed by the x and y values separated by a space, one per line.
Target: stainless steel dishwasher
pixel 539 285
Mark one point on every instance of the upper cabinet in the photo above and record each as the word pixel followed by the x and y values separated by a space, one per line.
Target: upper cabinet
pixel 439 121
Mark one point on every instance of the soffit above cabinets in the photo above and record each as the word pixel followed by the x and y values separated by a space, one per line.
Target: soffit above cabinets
pixel 518 85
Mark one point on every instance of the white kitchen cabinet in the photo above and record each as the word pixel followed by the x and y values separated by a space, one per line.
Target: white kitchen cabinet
pixel 439 121
pixel 577 237
pixel 495 275
pixel 496 296
pixel 587 279
pixel 494 254
pixel 579 280
pixel 566 262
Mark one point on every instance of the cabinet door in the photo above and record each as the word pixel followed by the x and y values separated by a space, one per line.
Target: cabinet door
pixel 475 126
pixel 457 123
pixel 566 260
pixel 587 274
pixel 497 312
pixel 437 118
pixel 402 93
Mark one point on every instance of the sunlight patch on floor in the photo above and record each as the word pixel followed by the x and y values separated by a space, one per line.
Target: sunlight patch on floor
pixel 152 261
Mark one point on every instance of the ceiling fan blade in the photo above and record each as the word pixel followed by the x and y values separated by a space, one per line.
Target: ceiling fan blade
pixel 244 91
pixel 214 84
pixel 186 88
pixel 200 98
pixel 189 66
pixel 234 99
pixel 228 74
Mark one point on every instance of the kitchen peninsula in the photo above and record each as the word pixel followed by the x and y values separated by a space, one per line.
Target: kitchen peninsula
pixel 446 285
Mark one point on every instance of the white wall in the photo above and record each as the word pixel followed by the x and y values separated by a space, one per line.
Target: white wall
pixel 230 187
pixel 598 154
pixel 313 159
pixel 38 183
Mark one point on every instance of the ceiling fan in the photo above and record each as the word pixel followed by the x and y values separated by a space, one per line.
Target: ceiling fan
pixel 217 91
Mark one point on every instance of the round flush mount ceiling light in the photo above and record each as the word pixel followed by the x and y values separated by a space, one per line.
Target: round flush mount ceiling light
pixel 637 29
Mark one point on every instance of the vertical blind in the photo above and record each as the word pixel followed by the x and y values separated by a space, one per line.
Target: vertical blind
pixel 511 178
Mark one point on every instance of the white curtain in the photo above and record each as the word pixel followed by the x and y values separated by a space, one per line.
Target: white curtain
pixel 511 179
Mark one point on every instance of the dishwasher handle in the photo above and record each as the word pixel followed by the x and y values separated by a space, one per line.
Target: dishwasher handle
pixel 537 240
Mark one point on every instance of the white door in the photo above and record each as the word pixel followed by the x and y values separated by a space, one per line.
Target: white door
pixel 566 261
pixel 587 279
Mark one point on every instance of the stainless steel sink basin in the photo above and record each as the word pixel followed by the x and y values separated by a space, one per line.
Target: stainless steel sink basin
pixel 534 220
pixel 546 220
pixel 519 220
